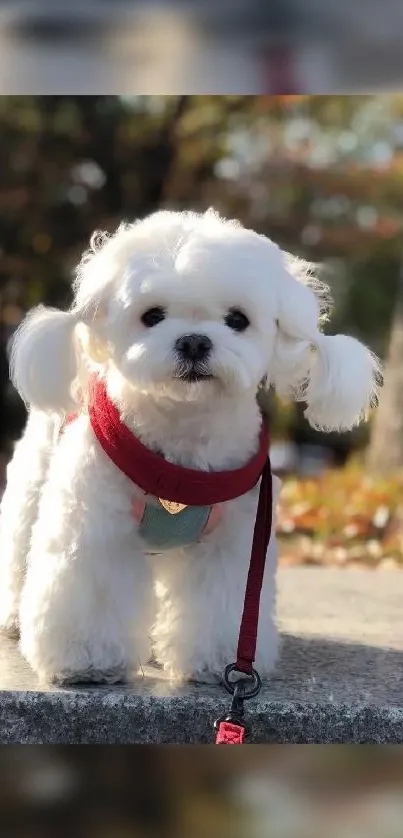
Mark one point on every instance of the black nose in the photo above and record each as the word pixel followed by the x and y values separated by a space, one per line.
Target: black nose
pixel 194 347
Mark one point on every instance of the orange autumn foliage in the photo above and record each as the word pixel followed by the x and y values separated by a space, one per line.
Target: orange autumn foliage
pixel 345 517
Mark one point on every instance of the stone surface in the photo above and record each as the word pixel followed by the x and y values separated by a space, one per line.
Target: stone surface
pixel 339 679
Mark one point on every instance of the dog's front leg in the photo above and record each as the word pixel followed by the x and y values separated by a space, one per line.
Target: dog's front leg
pixel 85 605
pixel 26 475
pixel 201 594
pixel 83 613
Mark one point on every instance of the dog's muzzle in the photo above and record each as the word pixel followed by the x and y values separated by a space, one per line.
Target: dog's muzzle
pixel 192 352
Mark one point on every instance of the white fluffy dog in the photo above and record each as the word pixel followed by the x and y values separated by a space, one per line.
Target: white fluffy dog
pixel 182 315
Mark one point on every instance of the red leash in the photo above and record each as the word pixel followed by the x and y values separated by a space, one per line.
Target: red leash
pixel 231 730
pixel 165 480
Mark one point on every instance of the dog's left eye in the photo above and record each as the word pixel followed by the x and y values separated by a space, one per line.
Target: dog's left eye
pixel 153 316
pixel 237 320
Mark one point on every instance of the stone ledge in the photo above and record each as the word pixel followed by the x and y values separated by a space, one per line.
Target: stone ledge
pixel 339 679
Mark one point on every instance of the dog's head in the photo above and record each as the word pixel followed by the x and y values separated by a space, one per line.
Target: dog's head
pixel 191 305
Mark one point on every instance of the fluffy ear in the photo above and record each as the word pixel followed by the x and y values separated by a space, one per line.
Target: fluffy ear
pixel 44 361
pixel 47 349
pixel 337 377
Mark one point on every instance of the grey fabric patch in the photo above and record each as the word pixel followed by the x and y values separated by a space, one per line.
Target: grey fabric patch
pixel 162 530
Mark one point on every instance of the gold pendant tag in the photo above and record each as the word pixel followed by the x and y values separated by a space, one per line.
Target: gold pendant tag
pixel 171 506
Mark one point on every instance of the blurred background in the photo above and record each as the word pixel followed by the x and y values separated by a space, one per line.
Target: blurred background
pixel 322 175
pixel 200 46
pixel 277 792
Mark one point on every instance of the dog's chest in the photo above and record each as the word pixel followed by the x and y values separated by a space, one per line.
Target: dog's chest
pixel 193 446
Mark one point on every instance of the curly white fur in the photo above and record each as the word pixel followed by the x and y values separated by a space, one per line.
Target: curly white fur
pixel 73 569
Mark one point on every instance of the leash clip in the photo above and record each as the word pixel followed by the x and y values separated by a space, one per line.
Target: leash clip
pixel 253 679
pixel 236 711
pixel 231 728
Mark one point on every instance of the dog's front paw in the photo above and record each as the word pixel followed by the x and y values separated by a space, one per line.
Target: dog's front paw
pixel 10 628
pixel 193 675
pixel 182 662
pixel 114 675
pixel 204 676
pixel 9 615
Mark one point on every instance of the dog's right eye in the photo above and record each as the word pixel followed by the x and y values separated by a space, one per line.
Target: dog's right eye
pixel 153 316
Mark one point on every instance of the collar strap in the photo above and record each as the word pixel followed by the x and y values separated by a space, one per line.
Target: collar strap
pixel 158 477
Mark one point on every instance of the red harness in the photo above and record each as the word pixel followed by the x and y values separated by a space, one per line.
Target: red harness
pixel 156 476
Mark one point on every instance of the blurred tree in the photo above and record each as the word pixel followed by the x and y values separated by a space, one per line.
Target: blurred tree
pixel 386 448
pixel 328 184
pixel 307 170
pixel 74 164
pixel 322 175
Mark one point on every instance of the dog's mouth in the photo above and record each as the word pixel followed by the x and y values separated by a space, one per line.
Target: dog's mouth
pixel 191 376
pixel 194 374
